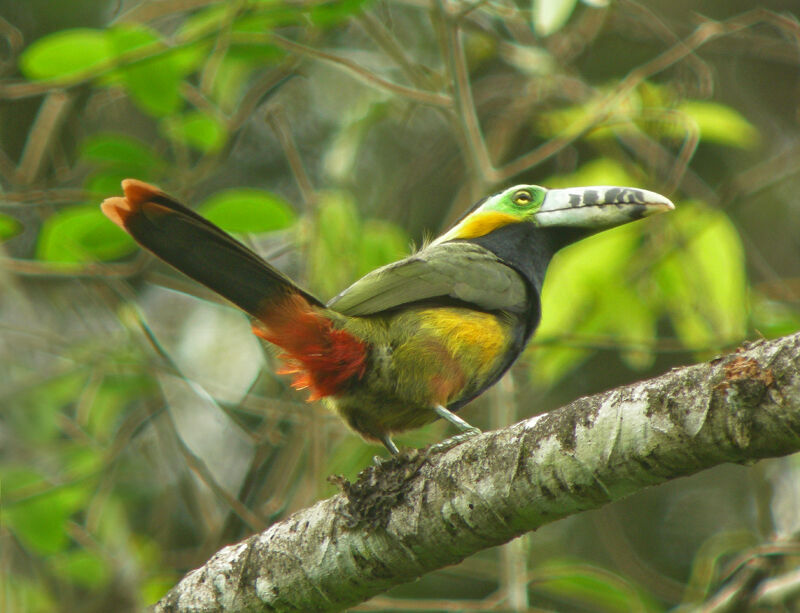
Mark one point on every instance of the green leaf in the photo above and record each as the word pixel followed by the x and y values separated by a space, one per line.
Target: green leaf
pixel 195 129
pixel 40 521
pixel 203 22
pixel 703 278
pixel 153 84
pixel 549 16
pixel 65 53
pixel 9 227
pixel 263 51
pixel 574 120
pixel 335 11
pixel 381 244
pixel 155 588
pixel 120 150
pixel 602 171
pixel 247 210
pixel 588 292
pixel 22 594
pixel 36 410
pixel 81 234
pixel 333 250
pixel 107 182
pixel 111 399
pixel 571 298
pixel 590 588
pixel 720 124
pixel 230 82
pixel 773 318
pixel 82 567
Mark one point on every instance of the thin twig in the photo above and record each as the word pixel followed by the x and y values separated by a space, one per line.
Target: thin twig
pixel 192 461
pixel 277 119
pixel 423 97
pixel 465 104
pixel 393 49
pixel 90 270
pixel 43 134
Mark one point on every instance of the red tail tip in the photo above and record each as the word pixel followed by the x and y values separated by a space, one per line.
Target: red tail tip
pixel 118 209
pixel 137 192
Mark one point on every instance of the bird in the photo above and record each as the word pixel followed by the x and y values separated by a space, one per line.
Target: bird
pixel 412 341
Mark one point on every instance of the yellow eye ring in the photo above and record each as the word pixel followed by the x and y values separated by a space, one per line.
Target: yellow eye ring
pixel 522 197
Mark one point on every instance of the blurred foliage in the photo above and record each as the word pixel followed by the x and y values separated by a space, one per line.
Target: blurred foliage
pixel 137 435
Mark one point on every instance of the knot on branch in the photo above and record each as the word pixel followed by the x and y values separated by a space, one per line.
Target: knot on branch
pixel 742 389
pixel 379 489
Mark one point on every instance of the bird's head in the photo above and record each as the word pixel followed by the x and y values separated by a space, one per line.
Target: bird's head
pixel 580 211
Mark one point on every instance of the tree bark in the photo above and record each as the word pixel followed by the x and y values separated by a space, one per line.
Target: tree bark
pixel 425 510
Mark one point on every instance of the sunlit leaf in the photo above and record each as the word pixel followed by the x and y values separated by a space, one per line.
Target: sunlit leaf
pixel 593 118
pixel 81 234
pixel 334 11
pixel 337 239
pixel 40 521
pixel 773 318
pixel 107 182
pixel 549 16
pixel 381 243
pixel 259 23
pixel 248 210
pixel 120 150
pixel 35 417
pixel 585 293
pixel 596 288
pixel 82 567
pixel 196 129
pixel 65 53
pixel 720 124
pixel 601 171
pixel 634 322
pixel 703 277
pixel 155 588
pixel 111 398
pixel 534 61
pixel 22 594
pixel 9 227
pixel 231 81
pixel 589 587
pixel 153 84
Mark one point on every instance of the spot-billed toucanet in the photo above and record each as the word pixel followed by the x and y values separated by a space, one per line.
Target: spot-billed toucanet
pixel 409 342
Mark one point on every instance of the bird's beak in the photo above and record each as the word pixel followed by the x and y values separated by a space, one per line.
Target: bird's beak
pixel 599 207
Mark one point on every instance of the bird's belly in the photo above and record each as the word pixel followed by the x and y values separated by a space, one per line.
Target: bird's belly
pixel 420 358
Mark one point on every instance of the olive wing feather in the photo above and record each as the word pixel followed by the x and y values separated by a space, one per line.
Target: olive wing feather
pixel 457 270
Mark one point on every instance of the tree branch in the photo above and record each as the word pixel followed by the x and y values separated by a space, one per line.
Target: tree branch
pixel 421 512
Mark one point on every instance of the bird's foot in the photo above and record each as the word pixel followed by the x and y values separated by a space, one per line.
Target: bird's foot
pixel 454 441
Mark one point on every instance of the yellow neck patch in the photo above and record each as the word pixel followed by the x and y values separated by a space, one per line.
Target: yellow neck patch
pixel 480 224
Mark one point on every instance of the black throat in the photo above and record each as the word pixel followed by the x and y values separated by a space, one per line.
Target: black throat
pixel 528 249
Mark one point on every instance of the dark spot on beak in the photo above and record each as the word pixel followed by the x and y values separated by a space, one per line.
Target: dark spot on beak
pixel 590 197
pixel 637 211
pixel 574 200
pixel 612 195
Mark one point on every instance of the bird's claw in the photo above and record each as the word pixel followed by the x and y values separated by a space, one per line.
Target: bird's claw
pixel 455 441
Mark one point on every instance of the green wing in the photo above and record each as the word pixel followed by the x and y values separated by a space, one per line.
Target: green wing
pixel 457 270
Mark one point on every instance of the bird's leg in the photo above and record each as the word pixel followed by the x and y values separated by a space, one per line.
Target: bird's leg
pixel 389 443
pixel 467 430
pixel 455 420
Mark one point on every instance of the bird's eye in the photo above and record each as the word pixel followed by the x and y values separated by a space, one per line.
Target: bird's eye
pixel 522 197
